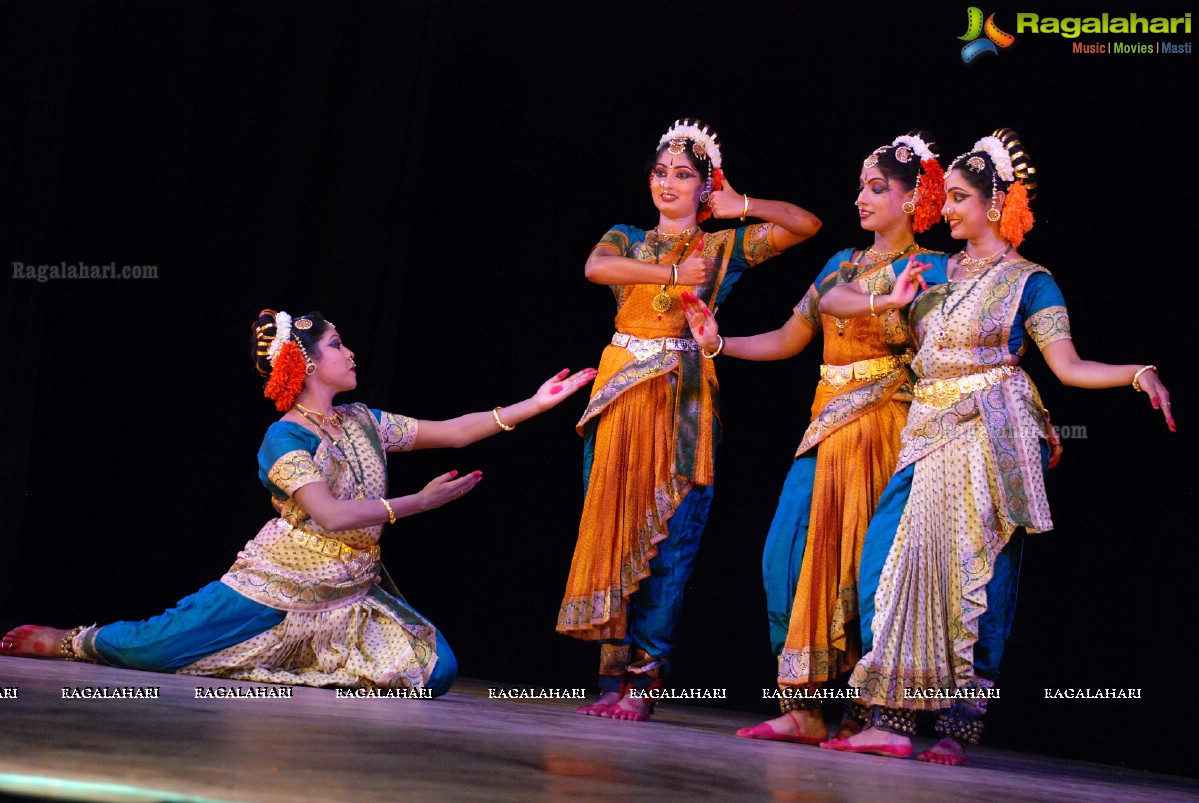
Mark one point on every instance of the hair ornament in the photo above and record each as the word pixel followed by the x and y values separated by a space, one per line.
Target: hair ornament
pixel 282 335
pixel 929 194
pixel 287 376
pixel 916 145
pixel 1017 219
pixel 704 144
pixel 288 358
pixel 993 147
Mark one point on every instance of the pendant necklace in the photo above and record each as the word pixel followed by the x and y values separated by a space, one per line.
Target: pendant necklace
pixel 662 301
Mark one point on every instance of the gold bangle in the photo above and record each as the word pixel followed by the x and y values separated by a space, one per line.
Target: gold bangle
pixel 745 207
pixel 496 415
pixel 391 514
pixel 1137 385
pixel 674 274
pixel 716 353
pixel 873 314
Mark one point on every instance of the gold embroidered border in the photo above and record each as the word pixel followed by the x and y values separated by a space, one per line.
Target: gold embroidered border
pixel 1048 326
pixel 294 470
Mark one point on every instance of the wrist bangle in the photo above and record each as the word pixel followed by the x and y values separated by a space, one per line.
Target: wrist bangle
pixel 1136 385
pixel 391 514
pixel 674 274
pixel 496 415
pixel 745 207
pixel 873 314
pixel 716 353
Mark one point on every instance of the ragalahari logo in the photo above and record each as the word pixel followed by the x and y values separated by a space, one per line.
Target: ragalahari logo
pixel 976 43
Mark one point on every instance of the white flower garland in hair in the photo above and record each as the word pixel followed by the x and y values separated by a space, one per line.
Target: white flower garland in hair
pixel 282 335
pixel 918 146
pixel 993 147
pixel 695 134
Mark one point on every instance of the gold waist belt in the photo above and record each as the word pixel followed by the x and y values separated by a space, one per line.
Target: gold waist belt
pixel 332 548
pixel 643 349
pixel 947 392
pixel 838 376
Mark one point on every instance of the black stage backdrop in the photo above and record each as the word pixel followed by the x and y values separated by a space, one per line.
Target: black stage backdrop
pixel 431 175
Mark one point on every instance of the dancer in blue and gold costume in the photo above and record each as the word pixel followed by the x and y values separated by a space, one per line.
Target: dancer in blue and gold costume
pixel 305 601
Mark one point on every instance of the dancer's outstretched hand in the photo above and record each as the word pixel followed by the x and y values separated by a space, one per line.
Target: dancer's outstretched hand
pixel 555 389
pixel 448 488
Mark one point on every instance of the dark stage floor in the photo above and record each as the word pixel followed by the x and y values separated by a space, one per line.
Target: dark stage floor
pixel 316 746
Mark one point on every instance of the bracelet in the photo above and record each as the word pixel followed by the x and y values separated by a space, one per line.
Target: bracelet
pixel 873 314
pixel 391 514
pixel 1137 385
pixel 716 353
pixel 745 207
pixel 496 415
pixel 674 274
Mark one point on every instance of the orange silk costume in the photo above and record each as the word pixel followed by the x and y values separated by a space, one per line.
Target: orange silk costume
pixel 653 418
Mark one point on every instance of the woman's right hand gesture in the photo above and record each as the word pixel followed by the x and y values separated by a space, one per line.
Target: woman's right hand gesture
pixel 696 269
pixel 906 284
pixel 702 321
pixel 446 488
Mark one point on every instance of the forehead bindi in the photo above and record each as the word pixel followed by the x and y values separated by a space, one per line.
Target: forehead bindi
pixel 675 162
pixel 872 175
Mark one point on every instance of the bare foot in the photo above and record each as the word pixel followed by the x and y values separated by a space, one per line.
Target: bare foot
pixel 873 740
pixel 848 727
pixel 946 751
pixel 633 708
pixel 33 641
pixel 805 727
pixel 601 705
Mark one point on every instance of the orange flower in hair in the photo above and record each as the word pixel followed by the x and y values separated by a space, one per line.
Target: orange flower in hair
pixel 1017 218
pixel 932 196
pixel 287 377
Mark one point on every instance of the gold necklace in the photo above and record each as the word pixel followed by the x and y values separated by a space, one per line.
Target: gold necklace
pixel 663 301
pixel 974 265
pixel 665 235
pixel 887 257
pixel 357 473
pixel 941 335
pixel 333 418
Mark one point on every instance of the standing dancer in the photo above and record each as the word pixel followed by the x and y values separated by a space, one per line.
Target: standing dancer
pixel 849 451
pixel 971 460
pixel 302 603
pixel 651 426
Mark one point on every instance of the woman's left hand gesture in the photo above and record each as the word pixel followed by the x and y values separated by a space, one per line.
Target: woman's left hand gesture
pixel 555 389
pixel 727 203
pixel 1159 397
pixel 701 321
